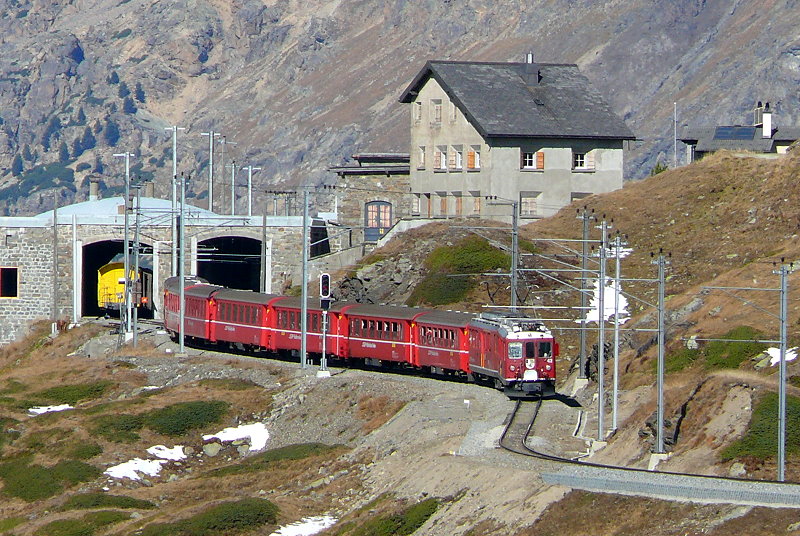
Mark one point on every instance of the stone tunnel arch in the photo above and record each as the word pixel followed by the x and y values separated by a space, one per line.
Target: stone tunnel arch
pixel 230 261
pixel 94 256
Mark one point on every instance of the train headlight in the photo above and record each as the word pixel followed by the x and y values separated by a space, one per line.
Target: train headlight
pixel 548 367
pixel 512 368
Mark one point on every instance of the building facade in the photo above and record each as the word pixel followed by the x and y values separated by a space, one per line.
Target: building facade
pixel 533 134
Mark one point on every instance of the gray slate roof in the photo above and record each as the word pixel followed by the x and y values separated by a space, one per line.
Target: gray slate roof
pixel 503 100
pixel 703 138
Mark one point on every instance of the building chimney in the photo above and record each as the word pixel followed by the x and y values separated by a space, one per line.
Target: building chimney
pixel 766 122
pixel 94 188
pixel 149 189
pixel 532 75
pixel 757 113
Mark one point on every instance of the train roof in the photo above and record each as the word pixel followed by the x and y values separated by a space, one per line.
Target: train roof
pixel 246 296
pixel 295 302
pixel 446 318
pixel 391 311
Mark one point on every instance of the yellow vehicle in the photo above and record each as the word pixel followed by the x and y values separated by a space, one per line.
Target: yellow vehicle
pixel 111 286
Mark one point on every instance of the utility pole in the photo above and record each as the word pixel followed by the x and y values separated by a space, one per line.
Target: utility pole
pixel 174 198
pixel 224 141
pixel 494 200
pixel 250 170
pixel 126 243
pixel 661 262
pixel 137 282
pixel 784 272
pixel 304 288
pixel 233 187
pixel 181 269
pixel 601 334
pixel 675 136
pixel 617 290
pixel 211 135
pixel 586 217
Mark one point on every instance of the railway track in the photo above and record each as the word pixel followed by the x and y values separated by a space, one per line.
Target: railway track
pixel 642 482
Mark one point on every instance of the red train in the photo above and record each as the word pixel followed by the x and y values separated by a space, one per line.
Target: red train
pixel 515 354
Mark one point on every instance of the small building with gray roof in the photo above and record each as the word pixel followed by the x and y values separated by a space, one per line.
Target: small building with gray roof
pixel 762 137
pixel 535 134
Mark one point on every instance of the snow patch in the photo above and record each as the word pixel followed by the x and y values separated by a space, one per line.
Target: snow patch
pixel 160 451
pixel 306 526
pixel 592 315
pixel 132 468
pixel 256 432
pixel 38 410
pixel 775 355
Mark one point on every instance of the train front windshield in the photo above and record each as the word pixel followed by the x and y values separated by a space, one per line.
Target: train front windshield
pixel 518 350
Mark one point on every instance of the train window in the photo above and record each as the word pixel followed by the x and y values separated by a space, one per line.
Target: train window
pixel 241 314
pixel 363 327
pixel 529 349
pixel 545 349
pixel 355 327
pixel 515 350
pixel 314 322
pixel 372 329
pixel 291 320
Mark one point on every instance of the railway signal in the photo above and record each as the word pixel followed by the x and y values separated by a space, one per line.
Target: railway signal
pixel 324 286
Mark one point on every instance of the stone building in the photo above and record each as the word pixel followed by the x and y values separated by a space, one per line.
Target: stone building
pixel 372 195
pixel 256 253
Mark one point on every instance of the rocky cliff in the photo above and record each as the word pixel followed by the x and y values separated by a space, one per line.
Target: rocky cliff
pixel 295 87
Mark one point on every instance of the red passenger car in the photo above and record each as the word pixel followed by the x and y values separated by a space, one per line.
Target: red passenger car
pixel 380 333
pixel 441 342
pixel 197 315
pixel 241 317
pixel 286 326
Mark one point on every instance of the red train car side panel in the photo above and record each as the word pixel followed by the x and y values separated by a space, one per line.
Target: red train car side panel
pixel 442 340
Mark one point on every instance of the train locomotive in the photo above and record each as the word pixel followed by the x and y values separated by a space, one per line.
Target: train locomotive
pixel 111 286
pixel 511 353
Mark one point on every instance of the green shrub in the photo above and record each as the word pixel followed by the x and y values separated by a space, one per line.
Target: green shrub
pixel 448 279
pixel 71 394
pixel 719 354
pixel 231 384
pixel 401 524
pixel 84 451
pixel 10 522
pixel 471 255
pixel 263 460
pixel 225 518
pixel 761 439
pixel 683 358
pixel 12 387
pixel 177 419
pixel 105 517
pixel 118 428
pixel 74 471
pixel 66 527
pixel 85 501
pixel 441 289
pixel 28 482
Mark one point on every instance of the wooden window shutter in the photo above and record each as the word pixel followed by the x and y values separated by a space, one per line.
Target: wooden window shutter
pixel 590 160
pixel 451 159
pixel 437 159
pixel 471 159
pixel 540 160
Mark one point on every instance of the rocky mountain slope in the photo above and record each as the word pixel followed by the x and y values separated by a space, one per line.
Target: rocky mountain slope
pixel 300 86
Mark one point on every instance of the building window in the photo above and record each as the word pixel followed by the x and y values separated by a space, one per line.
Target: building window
pixel 417 111
pixel 583 161
pixel 415 202
pixel 459 204
pixel 532 160
pixel 528 204
pixel 476 204
pixel 378 220
pixel 574 196
pixel 443 204
pixel 9 282
pixel 440 158
pixel 474 157
pixel 456 157
pixel 421 157
pixel 436 112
